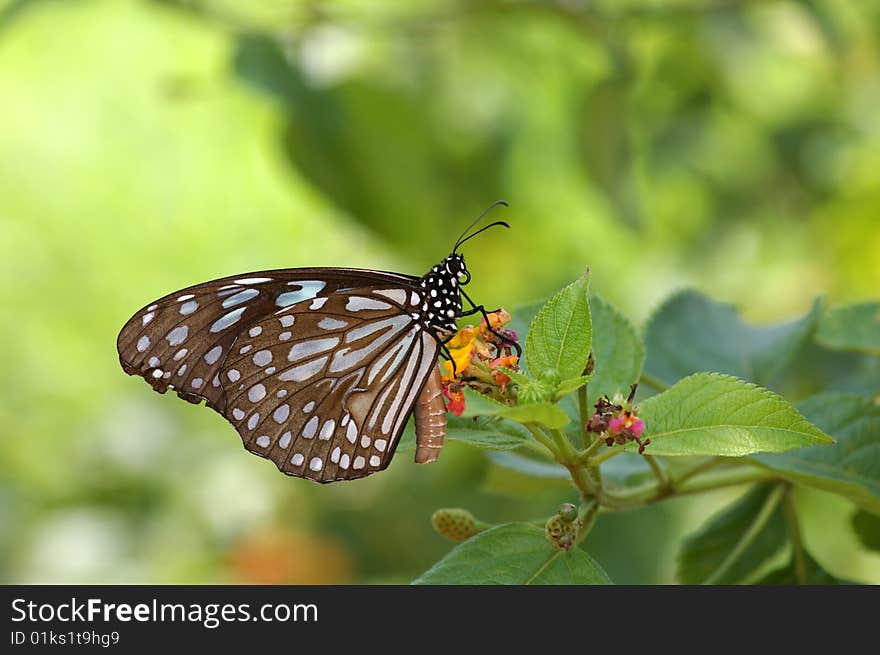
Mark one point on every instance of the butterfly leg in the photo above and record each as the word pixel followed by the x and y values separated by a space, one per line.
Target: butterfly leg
pixel 482 311
pixel 445 352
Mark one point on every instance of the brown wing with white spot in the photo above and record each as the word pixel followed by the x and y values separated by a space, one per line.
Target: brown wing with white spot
pixel 180 341
pixel 324 388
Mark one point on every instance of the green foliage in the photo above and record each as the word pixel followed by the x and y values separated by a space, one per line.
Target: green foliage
pixel 627 135
pixel 690 333
pixel 560 336
pixel 543 413
pixel 867 527
pixel 854 327
pixel 736 541
pixel 516 554
pixel 713 414
pixel 617 350
pixel 850 468
pixel 813 574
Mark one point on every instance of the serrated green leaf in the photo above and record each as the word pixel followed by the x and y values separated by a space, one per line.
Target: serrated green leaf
pixel 851 467
pixel 853 327
pixel 618 351
pixel 567 386
pixel 487 433
pixel 703 552
pixel 867 527
pixel 560 336
pixel 713 414
pixel 544 413
pixel 691 333
pixel 513 554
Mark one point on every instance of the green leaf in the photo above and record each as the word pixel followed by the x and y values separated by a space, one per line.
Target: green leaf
pixel 814 575
pixel 706 550
pixel 487 433
pixel 867 527
pixel 573 384
pixel 853 327
pixel 713 414
pixel 691 333
pixel 850 468
pixel 560 336
pixel 617 349
pixel 528 466
pixel 544 413
pixel 513 554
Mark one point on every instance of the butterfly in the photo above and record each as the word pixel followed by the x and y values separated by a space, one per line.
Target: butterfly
pixel 318 369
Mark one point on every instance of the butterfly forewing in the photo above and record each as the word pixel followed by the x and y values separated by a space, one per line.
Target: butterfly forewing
pixel 324 387
pixel 182 340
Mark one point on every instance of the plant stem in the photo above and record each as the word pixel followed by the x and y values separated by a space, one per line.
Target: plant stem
pixel 543 439
pixel 653 382
pixel 652 493
pixel 583 411
pixel 794 534
pixel 663 482
pixel 588 519
pixel 749 536
pixel 699 468
pixel 608 454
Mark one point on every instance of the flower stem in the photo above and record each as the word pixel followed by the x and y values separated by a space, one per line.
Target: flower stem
pixel 794 534
pixel 749 535
pixel 589 512
pixel 652 382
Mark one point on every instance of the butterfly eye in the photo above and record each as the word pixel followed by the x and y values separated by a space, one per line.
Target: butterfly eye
pixel 454 266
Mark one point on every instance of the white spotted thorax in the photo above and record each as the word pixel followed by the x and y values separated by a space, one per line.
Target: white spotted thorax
pixel 441 296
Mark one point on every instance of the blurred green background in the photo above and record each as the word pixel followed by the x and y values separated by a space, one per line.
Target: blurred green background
pixel 146 146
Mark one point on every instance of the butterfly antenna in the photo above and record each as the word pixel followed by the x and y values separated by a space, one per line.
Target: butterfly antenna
pixel 463 238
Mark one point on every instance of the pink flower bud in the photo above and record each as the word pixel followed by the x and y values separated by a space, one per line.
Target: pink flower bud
pixel 637 427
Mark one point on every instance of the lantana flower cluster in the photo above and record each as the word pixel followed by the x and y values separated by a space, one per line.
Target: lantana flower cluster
pixel 616 421
pixel 480 356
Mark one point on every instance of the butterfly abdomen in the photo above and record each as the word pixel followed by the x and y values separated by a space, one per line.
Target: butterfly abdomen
pixel 430 420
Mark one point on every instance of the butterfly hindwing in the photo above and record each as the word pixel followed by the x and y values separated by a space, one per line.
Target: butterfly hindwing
pixel 181 341
pixel 324 387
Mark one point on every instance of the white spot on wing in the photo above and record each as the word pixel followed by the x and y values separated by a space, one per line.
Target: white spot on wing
pixel 180 354
pixel 351 432
pixel 297 459
pixel 308 407
pixel 146 318
pixel 316 464
pixel 143 343
pixel 380 445
pixel 397 295
pixel 281 413
pixel 310 428
pixel 328 323
pixel 327 429
pixel 256 393
pixel 227 320
pixel 240 297
pixel 287 320
pixel 334 456
pixel 197 383
pixel 237 414
pixel 263 441
pixel 186 296
pixel 359 303
pixel 284 441
pixel 214 354
pixel 253 420
pixel 359 462
pixel 317 303
pixel 344 461
pixel 253 280
pixel 303 372
pixel 308 290
pixel 255 331
pixel 312 347
pixel 189 307
pixel 262 357
pixel 375 461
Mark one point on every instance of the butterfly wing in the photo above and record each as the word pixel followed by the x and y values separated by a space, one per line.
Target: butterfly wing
pixel 181 341
pixel 323 388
